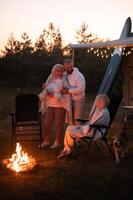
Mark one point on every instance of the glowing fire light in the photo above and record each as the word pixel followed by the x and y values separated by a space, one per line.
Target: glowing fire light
pixel 20 161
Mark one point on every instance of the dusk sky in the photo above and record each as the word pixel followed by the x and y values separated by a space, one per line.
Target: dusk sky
pixel 105 18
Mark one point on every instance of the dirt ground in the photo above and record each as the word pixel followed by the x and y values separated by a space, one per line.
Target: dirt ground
pixel 96 177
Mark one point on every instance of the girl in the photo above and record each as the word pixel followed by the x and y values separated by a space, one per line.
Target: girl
pixel 100 116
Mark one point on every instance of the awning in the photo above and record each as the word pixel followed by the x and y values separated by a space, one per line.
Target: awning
pixel 128 42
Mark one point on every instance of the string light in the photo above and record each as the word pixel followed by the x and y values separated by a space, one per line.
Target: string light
pixel 106 53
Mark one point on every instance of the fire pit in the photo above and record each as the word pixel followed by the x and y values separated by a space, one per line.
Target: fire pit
pixel 20 161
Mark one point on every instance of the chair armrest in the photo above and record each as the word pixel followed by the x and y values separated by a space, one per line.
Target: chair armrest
pixel 82 120
pixel 98 126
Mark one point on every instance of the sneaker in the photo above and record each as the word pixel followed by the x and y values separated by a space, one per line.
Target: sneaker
pixel 64 153
pixel 55 145
pixel 44 144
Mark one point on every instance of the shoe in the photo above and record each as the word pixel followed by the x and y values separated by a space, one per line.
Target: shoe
pixel 63 154
pixel 55 145
pixel 44 144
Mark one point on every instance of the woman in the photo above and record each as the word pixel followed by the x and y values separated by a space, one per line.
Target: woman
pixel 54 105
pixel 100 116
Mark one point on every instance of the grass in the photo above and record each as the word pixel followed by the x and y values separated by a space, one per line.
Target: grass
pixel 97 177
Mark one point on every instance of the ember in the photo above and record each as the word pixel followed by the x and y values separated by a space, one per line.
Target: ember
pixel 20 161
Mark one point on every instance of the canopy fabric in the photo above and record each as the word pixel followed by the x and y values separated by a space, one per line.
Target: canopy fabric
pixel 128 42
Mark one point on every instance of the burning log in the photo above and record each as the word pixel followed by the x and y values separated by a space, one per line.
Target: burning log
pixel 20 161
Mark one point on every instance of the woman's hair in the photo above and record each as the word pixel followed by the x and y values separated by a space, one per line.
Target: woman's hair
pixel 104 98
pixel 55 67
pixel 51 76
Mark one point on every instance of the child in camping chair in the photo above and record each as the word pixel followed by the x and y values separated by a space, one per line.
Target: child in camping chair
pixel 100 116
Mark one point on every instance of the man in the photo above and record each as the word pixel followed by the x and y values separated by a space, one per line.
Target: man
pixel 76 88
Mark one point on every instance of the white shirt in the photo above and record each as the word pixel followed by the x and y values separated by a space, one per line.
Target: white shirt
pixel 55 87
pixel 99 117
pixel 77 84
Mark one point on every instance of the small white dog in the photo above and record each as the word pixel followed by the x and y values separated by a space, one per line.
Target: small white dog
pixel 119 144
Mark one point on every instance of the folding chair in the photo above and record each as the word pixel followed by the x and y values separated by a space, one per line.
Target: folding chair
pixel 26 120
pixel 103 130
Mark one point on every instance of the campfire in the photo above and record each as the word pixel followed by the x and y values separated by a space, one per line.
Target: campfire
pixel 20 161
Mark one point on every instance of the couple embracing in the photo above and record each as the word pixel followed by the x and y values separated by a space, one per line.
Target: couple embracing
pixel 62 100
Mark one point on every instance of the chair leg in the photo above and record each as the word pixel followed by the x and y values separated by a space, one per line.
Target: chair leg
pixel 109 149
pixel 88 148
pixel 89 145
pixel 107 145
pixel 15 137
pixel 97 147
pixel 12 139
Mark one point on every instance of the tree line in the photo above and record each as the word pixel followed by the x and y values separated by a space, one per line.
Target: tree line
pixel 24 64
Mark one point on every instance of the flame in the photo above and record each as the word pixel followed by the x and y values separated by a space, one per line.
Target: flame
pixel 20 161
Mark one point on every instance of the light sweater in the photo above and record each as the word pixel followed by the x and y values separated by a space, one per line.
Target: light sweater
pixel 56 100
pixel 101 117
pixel 76 84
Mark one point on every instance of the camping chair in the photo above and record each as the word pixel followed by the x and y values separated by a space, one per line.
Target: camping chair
pixel 113 107
pixel 90 140
pixel 26 120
